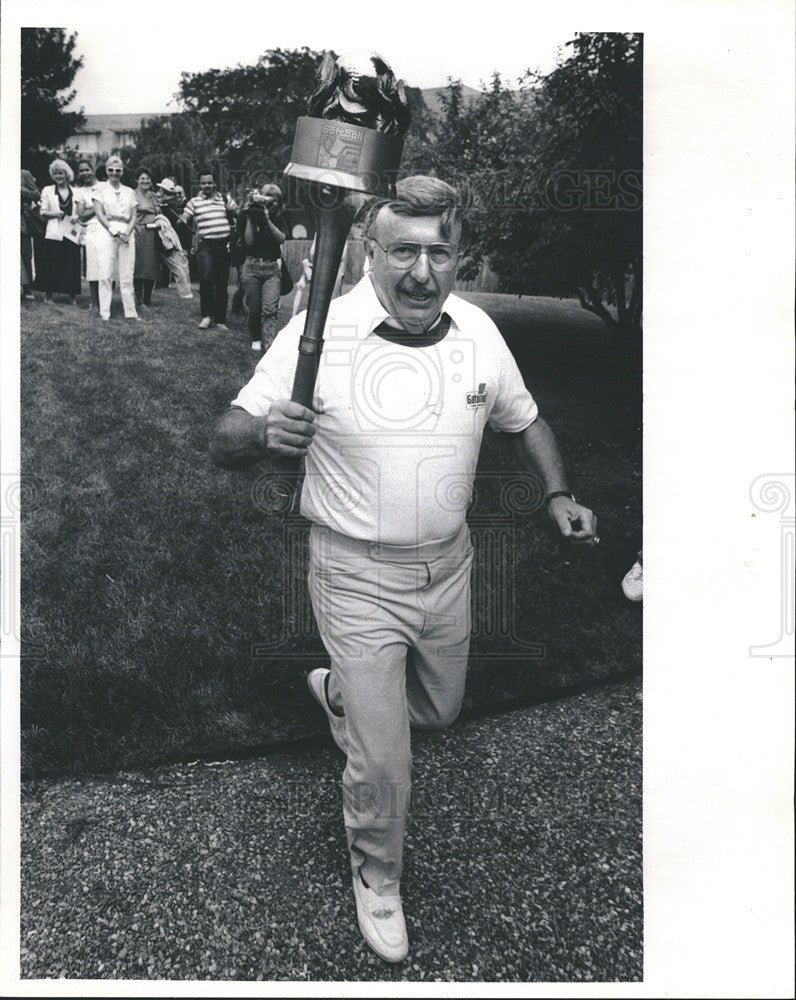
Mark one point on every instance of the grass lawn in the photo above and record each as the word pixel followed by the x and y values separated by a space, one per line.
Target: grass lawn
pixel 164 608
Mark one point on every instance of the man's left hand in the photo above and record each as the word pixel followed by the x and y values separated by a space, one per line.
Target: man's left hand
pixel 574 521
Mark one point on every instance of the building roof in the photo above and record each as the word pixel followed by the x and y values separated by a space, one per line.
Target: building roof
pixel 115 123
pixel 132 122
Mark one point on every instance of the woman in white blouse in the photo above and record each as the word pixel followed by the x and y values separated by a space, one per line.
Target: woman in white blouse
pixel 116 209
pixel 58 271
pixel 87 185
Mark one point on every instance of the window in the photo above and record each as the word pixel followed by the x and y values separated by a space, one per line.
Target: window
pixel 87 143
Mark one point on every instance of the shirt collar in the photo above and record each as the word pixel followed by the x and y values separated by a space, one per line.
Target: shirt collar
pixel 368 312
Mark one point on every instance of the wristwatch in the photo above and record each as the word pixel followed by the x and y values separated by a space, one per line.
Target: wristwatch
pixel 559 493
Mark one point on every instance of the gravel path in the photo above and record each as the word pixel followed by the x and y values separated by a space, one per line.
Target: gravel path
pixel 523 860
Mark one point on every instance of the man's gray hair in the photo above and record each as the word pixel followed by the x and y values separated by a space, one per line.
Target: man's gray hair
pixel 420 195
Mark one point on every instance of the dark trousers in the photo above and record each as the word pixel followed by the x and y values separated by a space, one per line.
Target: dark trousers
pixel 26 254
pixel 213 279
pixel 57 267
pixel 143 291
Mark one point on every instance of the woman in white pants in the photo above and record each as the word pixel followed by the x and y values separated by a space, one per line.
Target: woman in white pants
pixel 116 210
pixel 84 197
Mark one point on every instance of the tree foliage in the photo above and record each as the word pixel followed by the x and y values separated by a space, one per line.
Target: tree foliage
pixel 175 146
pixel 48 68
pixel 553 168
pixel 248 113
pixel 242 120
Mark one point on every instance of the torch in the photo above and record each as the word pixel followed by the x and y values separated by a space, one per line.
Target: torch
pixel 347 149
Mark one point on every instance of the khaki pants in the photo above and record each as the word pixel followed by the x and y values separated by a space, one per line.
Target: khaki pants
pixel 396 624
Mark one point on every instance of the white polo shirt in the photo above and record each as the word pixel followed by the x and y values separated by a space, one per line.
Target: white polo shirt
pixel 395 451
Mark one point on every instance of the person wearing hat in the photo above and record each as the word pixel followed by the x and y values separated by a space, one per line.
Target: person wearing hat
pixel 176 258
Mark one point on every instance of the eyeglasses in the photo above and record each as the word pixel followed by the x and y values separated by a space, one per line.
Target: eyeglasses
pixel 402 254
pixel 114 170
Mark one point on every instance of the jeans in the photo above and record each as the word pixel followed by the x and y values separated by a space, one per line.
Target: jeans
pixel 213 257
pixel 262 283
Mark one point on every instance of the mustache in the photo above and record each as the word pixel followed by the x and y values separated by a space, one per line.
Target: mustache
pixel 413 288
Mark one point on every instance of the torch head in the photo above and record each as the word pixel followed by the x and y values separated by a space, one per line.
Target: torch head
pixel 359 88
pixel 353 135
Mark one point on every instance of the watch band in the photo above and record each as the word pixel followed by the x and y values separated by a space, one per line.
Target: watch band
pixel 559 493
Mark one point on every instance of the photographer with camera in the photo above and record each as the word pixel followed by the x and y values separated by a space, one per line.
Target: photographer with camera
pixel 260 230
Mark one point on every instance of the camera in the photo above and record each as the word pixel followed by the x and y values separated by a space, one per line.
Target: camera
pixel 260 201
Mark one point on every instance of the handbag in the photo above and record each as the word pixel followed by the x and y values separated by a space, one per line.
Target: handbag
pixel 286 281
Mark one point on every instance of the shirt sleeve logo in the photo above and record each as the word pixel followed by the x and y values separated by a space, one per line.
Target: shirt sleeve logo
pixel 477 397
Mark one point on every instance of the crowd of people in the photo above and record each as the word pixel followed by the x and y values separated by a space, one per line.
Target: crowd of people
pixel 114 235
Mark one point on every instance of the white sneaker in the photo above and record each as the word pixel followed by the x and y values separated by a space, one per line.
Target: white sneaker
pixel 381 920
pixel 222 326
pixel 187 296
pixel 205 323
pixel 632 584
pixel 257 345
pixel 316 681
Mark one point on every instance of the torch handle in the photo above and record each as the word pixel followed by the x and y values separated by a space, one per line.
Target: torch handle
pixel 334 223
pixel 335 216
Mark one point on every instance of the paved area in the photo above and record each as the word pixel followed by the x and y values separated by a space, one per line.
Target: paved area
pixel 523 860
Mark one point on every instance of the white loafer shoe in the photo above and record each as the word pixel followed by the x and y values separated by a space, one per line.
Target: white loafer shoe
pixel 633 582
pixel 381 920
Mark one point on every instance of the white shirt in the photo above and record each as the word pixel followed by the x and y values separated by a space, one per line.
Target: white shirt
pixel 395 452
pixel 58 229
pixel 86 195
pixel 118 204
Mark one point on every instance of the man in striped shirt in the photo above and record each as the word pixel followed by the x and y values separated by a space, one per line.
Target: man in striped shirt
pixel 208 213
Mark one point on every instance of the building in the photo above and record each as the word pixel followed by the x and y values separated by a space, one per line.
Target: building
pixel 101 134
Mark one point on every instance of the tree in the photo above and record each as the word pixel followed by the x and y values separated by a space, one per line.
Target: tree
pixel 49 66
pixel 590 118
pixel 249 113
pixel 174 146
pixel 553 169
